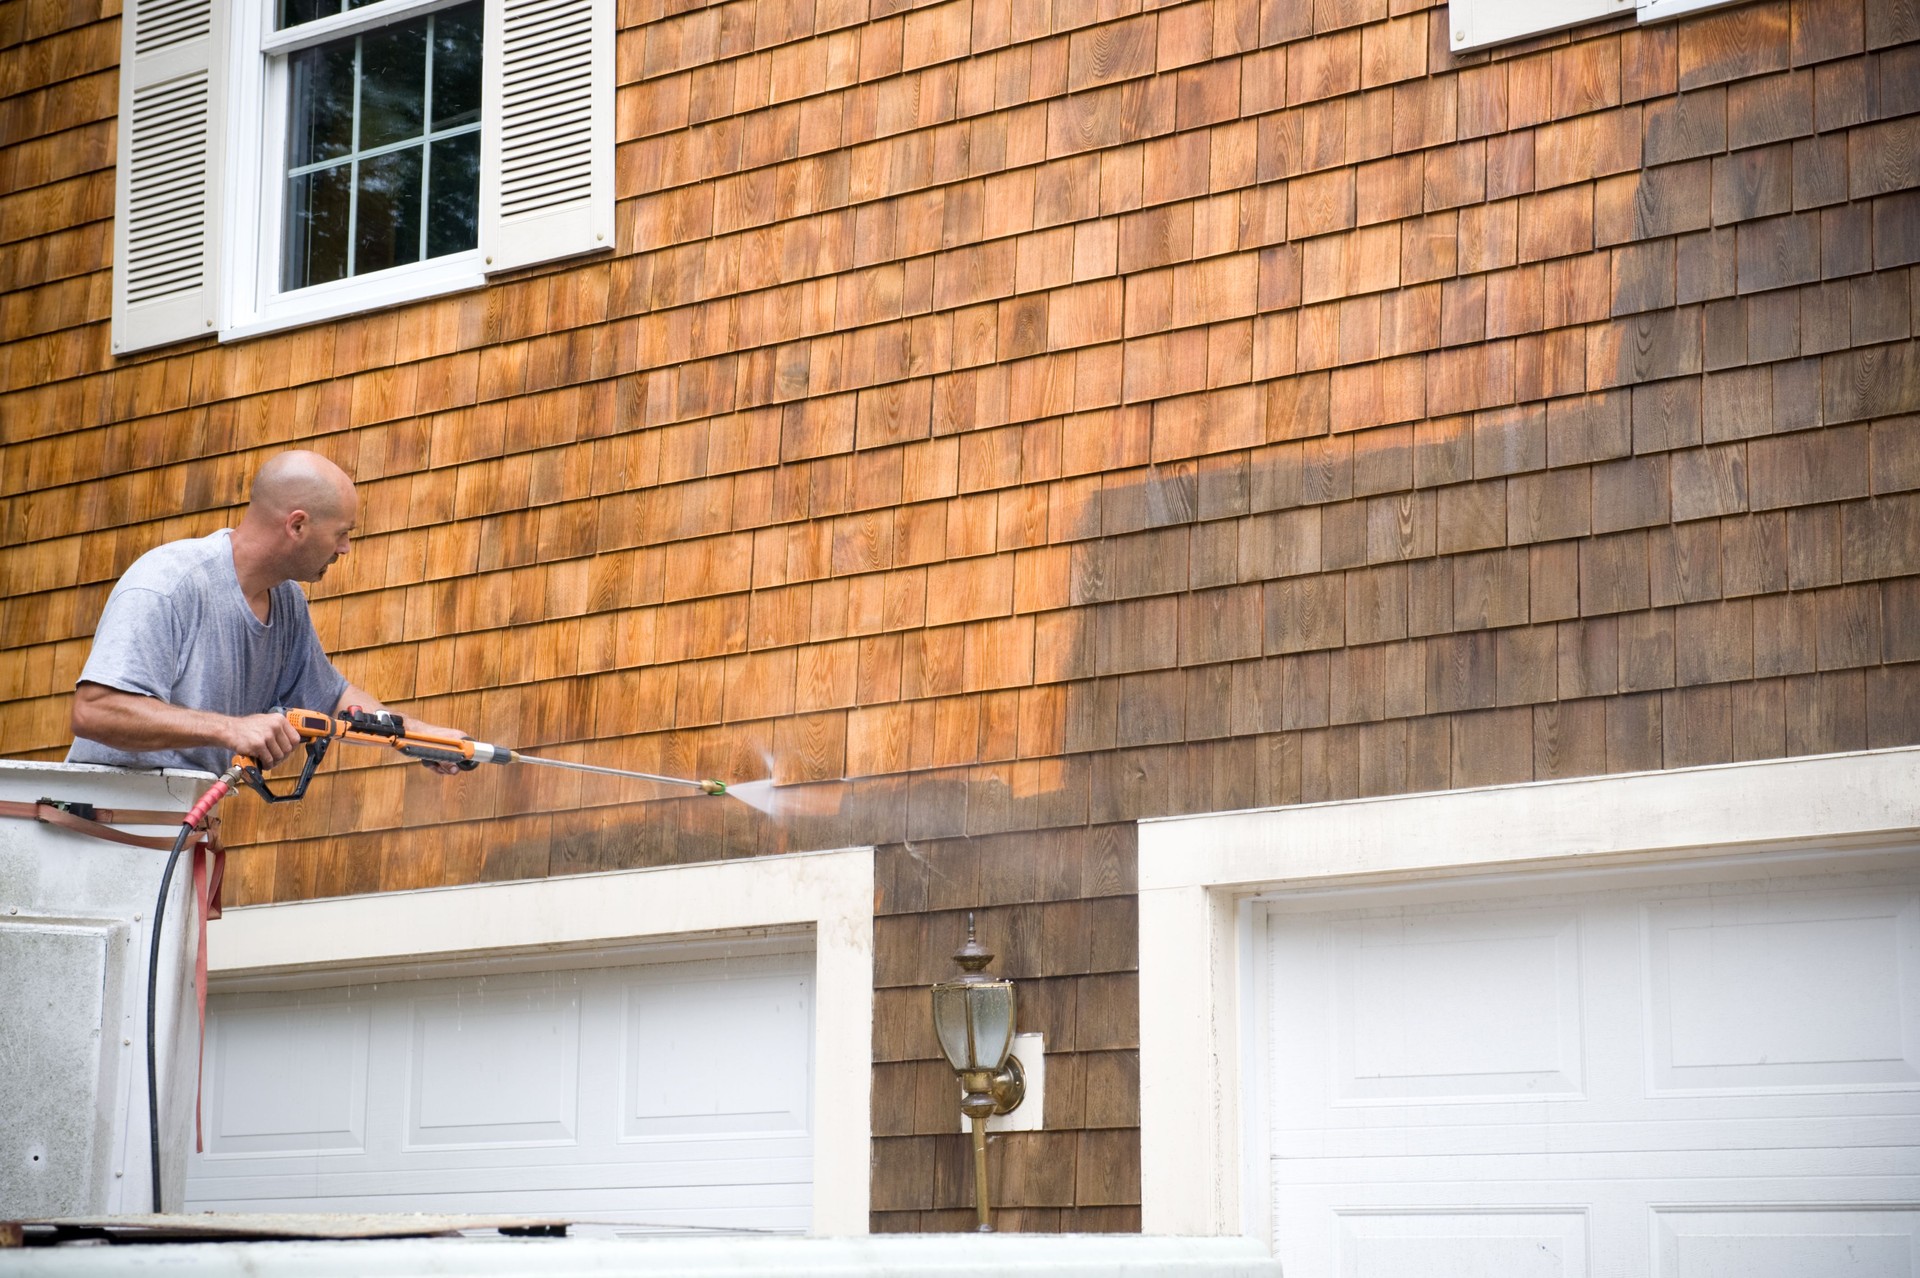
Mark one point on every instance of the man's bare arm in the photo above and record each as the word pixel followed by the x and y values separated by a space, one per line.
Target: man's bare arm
pixel 129 721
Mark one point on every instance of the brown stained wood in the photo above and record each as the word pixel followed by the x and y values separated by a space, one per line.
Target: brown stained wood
pixel 1493 747
pixel 1304 613
pixel 1826 712
pixel 1784 637
pixel 1107 1167
pixel 1758 714
pixel 1646 650
pixel 1589 662
pixel 1490 589
pixel 1848 623
pixel 1569 739
pixel 1550 506
pixel 1043 419
pixel 1714 642
pixel 1684 563
pixel 1815 554
pixel 1892 704
pixel 1697 724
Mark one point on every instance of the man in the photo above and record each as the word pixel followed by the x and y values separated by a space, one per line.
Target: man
pixel 202 638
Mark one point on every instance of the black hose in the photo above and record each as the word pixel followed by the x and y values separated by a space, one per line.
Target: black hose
pixel 153 985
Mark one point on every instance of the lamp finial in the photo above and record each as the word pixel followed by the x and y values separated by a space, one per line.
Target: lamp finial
pixel 972 957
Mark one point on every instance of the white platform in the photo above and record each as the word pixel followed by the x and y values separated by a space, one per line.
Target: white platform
pixel 901 1255
pixel 74 918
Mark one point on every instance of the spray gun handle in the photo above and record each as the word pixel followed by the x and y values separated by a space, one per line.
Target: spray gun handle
pixel 248 770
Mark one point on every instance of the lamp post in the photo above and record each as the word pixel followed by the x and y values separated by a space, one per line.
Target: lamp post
pixel 973 1016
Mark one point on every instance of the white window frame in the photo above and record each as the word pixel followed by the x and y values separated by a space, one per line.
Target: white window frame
pixel 830 893
pixel 1202 1162
pixel 256 195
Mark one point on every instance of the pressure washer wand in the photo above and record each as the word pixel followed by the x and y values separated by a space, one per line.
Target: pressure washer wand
pixel 384 728
pixel 708 787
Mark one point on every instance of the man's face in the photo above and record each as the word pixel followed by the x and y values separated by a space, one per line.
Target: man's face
pixel 322 536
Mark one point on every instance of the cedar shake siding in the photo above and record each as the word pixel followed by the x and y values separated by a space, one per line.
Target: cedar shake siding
pixel 1007 419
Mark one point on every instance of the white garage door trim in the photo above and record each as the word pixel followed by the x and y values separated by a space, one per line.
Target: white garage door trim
pixel 829 892
pixel 1198 877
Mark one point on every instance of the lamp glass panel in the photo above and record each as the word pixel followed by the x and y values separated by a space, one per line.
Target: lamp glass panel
pixel 950 1023
pixel 992 1008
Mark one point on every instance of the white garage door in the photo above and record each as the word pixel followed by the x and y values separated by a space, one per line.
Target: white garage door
pixel 1688 1077
pixel 663 1095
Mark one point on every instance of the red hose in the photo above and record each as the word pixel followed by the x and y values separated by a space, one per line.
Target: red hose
pixel 217 791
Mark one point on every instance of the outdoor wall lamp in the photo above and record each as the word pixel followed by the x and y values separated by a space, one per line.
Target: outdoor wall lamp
pixel 973 1015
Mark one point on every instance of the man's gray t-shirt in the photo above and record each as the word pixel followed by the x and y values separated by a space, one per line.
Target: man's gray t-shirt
pixel 177 627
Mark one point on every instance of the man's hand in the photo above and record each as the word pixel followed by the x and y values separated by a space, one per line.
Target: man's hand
pixel 264 738
pixel 414 726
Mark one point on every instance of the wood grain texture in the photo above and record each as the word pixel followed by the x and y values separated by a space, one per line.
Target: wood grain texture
pixel 997 423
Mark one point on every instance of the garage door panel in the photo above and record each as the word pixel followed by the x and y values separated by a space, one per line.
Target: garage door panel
pixel 673 1087
pixel 683 1076
pixel 1797 1240
pixel 1570 1115
pixel 1741 993
pixel 1457 1008
pixel 1681 1135
pixel 307 1068
pixel 503 1073
pixel 1787 1243
pixel 1694 1046
pixel 690 1174
pixel 679 1160
pixel 1468 1244
pixel 1311 1206
pixel 1684 1171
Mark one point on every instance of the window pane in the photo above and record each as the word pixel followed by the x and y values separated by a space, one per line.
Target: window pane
pixel 294 12
pixel 317 210
pixel 453 195
pixel 388 218
pixel 393 84
pixel 382 188
pixel 456 66
pixel 322 126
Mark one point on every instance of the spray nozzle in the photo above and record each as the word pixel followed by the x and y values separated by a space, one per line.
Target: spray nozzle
pixel 713 787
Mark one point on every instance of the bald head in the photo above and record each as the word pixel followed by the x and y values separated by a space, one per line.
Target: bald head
pixel 299 519
pixel 299 480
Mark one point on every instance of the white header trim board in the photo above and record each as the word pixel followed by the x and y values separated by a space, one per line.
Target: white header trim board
pixel 1199 876
pixel 830 892
pixel 1478 24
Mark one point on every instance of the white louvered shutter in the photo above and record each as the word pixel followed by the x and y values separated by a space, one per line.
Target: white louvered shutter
pixel 166 233
pixel 546 149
